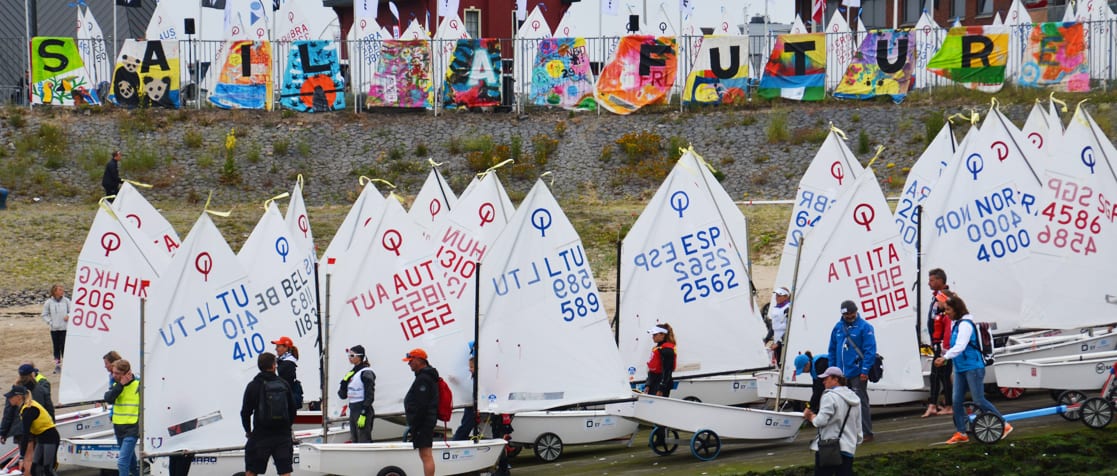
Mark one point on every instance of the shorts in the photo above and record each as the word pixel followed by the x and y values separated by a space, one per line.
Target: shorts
pixel 258 449
pixel 422 437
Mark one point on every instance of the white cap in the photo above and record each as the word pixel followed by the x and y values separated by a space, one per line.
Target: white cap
pixel 782 291
pixel 657 330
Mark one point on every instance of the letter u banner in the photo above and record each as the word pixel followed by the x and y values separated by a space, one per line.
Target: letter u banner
pixel 974 57
pixel 883 66
pixel 796 69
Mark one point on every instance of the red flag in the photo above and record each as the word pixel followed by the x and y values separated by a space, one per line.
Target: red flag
pixel 816 16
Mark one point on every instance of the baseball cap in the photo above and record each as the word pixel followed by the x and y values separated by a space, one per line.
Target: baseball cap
pixel 848 307
pixel 782 291
pixel 657 330
pixel 415 354
pixel 26 369
pixel 832 372
pixel 16 390
pixel 284 341
pixel 801 360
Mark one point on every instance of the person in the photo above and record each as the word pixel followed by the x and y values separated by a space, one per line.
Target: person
pixel 778 316
pixel 853 348
pixel 839 405
pixel 289 366
pixel 56 313
pixel 939 326
pixel 111 179
pixel 41 438
pixel 359 389
pixel 268 436
pixel 420 405
pixel 469 416
pixel 814 365
pixel 124 395
pixel 662 362
pixel 3 198
pixel 11 427
pixel 37 385
pixel 969 366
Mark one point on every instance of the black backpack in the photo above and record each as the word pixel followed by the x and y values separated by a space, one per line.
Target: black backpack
pixel 272 411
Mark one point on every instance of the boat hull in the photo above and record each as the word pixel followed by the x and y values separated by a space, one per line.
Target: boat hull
pixel 727 422
pixel 1071 349
pixel 453 457
pixel 1086 372
pixel 735 389
pixel 800 390
pixel 573 427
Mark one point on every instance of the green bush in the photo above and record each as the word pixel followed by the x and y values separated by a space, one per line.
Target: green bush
pixel 280 147
pixel 192 139
pixel 777 128
pixel 862 142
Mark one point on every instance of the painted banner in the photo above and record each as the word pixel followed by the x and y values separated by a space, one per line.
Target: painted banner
pixel 473 78
pixel 58 75
pixel 721 72
pixel 642 72
pixel 561 75
pixel 882 67
pixel 313 80
pixel 797 68
pixel 1056 57
pixel 146 75
pixel 402 77
pixel 245 79
pixel 974 57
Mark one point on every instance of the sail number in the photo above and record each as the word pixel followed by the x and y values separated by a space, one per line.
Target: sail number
pixel 699 263
pixel 91 308
pixel 1070 225
pixel 299 297
pixel 422 310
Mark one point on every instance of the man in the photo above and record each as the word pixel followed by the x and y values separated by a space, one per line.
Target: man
pixel 111 179
pixel 939 327
pixel 266 413
pixel 56 313
pixel 778 315
pixel 421 407
pixel 124 395
pixel 38 428
pixel 853 348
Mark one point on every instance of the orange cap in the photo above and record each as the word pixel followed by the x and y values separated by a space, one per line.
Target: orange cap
pixel 415 354
pixel 284 341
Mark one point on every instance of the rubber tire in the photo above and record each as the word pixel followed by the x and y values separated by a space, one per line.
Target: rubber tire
pixel 548 447
pixel 1011 393
pixel 692 398
pixel 1097 412
pixel 971 408
pixel 1068 398
pixel 514 449
pixel 988 428
pixel 660 443
pixel 391 471
pixel 705 445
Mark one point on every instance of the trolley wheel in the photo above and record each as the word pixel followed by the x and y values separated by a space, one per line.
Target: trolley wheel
pixel 987 427
pixel 1055 394
pixel 1097 412
pixel 514 449
pixel 1011 393
pixel 971 408
pixel 692 398
pixel 663 441
pixel 391 471
pixel 705 445
pixel 1069 398
pixel 548 447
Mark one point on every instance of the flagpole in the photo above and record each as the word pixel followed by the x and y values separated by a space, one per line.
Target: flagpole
pixel 114 52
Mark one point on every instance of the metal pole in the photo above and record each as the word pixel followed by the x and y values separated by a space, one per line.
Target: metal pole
pixel 791 317
pixel 140 443
pixel 27 11
pixel 617 308
pixel 324 359
pixel 476 339
pixel 918 274
pixel 114 52
pixel 895 14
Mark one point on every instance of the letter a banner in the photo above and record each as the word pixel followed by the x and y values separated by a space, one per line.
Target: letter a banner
pixel 796 69
pixel 58 75
pixel 974 57
pixel 1056 57
pixel 882 67
pixel 642 72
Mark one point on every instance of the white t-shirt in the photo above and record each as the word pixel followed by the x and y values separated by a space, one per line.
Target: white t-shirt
pixel 778 315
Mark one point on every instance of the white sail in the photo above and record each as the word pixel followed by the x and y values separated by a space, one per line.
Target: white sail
pixel 281 287
pixel 1075 242
pixel 978 222
pixel 833 166
pixel 367 39
pixel 91 47
pixel 1035 128
pixel 545 340
pixel 682 264
pixel 1019 24
pixel 201 341
pixel 797 26
pixel 928 37
pixel 433 204
pixel 129 204
pixel 415 31
pixel 369 205
pixel 526 46
pixel 298 223
pixel 116 265
pixel 567 26
pixel 856 254
pixel 839 49
pixel 921 180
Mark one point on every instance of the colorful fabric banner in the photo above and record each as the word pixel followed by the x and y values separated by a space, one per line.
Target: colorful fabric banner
pixel 642 72
pixel 245 79
pixel 882 67
pixel 58 75
pixel 473 79
pixel 1056 57
pixel 973 56
pixel 146 75
pixel 313 80
pixel 797 68
pixel 561 75
pixel 721 72
pixel 402 77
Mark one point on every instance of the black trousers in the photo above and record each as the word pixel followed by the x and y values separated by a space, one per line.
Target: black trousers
pixel 58 342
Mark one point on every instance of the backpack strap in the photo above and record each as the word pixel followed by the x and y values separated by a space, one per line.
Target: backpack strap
pixel 842 429
pixel 976 337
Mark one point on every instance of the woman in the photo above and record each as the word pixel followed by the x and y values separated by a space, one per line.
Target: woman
pixel 814 365
pixel 359 389
pixel 969 366
pixel 41 437
pixel 662 363
pixel 839 405
pixel 288 366
pixel 56 313
pixel 940 376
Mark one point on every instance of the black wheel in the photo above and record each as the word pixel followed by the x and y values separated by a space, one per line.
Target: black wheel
pixel 391 471
pixel 663 441
pixel 548 447
pixel 1097 413
pixel 692 399
pixel 705 445
pixel 1055 394
pixel 971 408
pixel 1071 398
pixel 987 427
pixel 514 449
pixel 1011 393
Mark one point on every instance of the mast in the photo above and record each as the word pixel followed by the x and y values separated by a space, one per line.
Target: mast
pixel 791 315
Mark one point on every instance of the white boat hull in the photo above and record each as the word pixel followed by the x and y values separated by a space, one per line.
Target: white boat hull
pixel 1062 349
pixel 725 421
pixel 735 389
pixel 453 457
pixel 83 422
pixel 573 427
pixel 1086 372
pixel 800 390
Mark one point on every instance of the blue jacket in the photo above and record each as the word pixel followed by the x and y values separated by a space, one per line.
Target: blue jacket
pixel 971 358
pixel 844 356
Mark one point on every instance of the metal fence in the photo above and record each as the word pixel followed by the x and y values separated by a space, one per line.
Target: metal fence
pixel 199 57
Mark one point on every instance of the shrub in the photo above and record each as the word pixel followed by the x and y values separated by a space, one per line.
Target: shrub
pixel 777 128
pixel 862 142
pixel 421 150
pixel 192 139
pixel 280 147
pixel 253 154
pixel 303 148
pixel 932 123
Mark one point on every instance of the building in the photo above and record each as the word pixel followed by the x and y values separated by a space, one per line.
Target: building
pixel 880 13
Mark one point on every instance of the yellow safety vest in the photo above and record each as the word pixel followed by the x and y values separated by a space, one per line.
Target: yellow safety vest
pixel 39 377
pixel 126 408
pixel 41 423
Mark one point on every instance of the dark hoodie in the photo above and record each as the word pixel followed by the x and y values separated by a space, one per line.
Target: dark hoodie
pixel 421 403
pixel 251 402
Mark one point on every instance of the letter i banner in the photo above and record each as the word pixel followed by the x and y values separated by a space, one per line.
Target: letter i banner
pixel 796 69
pixel 58 75
pixel 974 57
pixel 881 67
pixel 313 80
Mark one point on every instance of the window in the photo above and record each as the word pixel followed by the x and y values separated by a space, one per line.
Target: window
pixel 873 14
pixel 984 7
pixel 957 9
pixel 912 10
pixel 473 22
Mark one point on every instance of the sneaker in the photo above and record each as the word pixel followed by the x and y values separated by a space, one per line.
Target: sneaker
pixel 1008 429
pixel 960 438
pixel 57 368
pixel 867 439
